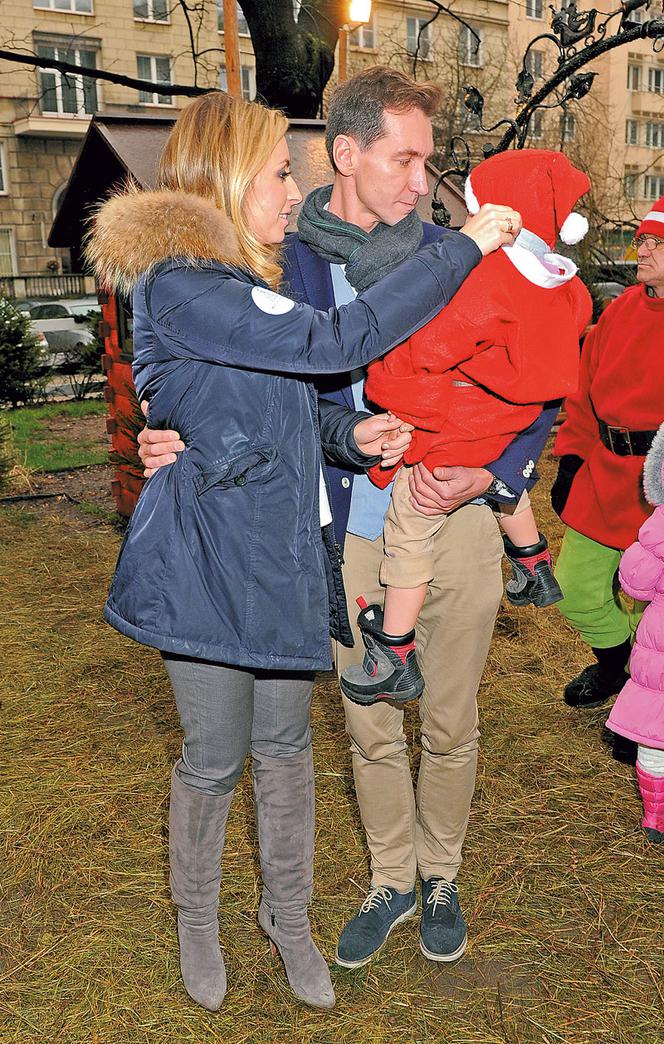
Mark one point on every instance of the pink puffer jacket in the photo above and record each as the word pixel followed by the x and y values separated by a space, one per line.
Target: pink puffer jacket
pixel 638 713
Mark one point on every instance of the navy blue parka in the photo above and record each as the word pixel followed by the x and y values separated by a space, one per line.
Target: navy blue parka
pixel 223 558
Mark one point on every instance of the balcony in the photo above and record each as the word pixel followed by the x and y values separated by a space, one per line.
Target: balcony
pixel 51 126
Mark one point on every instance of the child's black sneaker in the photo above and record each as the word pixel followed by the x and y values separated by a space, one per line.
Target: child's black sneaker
pixel 389 671
pixel 533 582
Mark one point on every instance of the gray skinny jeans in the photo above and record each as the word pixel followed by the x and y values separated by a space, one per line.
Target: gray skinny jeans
pixel 227 711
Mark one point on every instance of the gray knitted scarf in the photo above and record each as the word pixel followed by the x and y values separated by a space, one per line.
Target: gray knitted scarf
pixel 367 255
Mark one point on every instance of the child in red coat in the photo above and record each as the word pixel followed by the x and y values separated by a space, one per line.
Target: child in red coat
pixel 469 381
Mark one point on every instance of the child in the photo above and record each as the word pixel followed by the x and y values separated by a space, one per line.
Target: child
pixel 469 381
pixel 638 713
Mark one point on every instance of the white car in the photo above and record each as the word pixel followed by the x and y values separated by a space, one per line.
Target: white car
pixel 64 325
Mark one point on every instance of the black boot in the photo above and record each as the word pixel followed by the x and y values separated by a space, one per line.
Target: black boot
pixel 390 670
pixel 533 582
pixel 595 684
pixel 622 749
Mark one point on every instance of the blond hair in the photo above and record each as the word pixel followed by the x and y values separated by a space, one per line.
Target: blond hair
pixel 215 150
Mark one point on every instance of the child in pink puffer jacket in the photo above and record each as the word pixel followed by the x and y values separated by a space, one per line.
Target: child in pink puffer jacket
pixel 638 713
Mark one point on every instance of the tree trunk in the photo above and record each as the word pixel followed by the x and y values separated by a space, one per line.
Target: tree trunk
pixel 294 61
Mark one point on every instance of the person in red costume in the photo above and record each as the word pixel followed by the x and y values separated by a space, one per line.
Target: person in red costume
pixel 611 422
pixel 471 379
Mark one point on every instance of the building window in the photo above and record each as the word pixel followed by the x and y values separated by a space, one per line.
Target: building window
pixel 157 69
pixel 631 132
pixel 536 127
pixel 655 135
pixel 656 80
pixel 242 27
pixel 418 32
pixel 247 80
pixel 7 252
pixel 633 77
pixel 470 46
pixel 365 36
pixel 567 127
pixel 534 8
pixel 151 10
pixel 4 181
pixel 631 183
pixel 654 186
pixel 67 94
pixel 535 64
pixel 72 6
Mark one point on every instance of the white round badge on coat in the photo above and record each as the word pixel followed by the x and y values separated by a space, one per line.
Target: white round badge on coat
pixel 271 303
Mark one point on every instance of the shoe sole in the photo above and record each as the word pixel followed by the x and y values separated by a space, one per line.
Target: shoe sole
pixel 365 960
pixel 539 603
pixel 444 958
pixel 383 697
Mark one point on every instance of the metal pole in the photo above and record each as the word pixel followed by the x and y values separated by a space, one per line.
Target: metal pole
pixel 342 65
pixel 232 49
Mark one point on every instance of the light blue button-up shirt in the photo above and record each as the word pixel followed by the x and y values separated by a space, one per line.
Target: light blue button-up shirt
pixel 368 504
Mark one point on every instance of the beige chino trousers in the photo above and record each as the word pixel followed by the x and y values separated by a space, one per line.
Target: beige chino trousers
pixel 407 830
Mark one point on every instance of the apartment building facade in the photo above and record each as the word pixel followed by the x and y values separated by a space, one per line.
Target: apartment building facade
pixel 617 131
pixel 44 114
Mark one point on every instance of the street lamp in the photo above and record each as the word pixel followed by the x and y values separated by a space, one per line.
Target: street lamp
pixel 359 14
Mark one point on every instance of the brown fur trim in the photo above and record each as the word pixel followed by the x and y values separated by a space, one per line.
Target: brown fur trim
pixel 134 230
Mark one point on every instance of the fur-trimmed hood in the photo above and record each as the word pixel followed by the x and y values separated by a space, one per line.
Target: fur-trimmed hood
pixel 134 230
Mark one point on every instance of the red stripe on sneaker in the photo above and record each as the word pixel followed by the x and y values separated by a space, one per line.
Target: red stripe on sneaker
pixel 362 602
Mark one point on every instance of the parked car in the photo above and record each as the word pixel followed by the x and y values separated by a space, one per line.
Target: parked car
pixel 64 325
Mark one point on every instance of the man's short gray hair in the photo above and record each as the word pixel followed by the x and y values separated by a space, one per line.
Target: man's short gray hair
pixel 357 107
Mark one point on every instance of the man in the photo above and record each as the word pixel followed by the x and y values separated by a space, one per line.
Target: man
pixel 379 137
pixel 610 424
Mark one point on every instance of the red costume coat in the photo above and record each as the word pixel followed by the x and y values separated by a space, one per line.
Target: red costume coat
pixel 622 383
pixel 479 373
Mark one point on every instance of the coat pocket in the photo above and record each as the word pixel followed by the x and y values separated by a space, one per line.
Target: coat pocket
pixel 253 466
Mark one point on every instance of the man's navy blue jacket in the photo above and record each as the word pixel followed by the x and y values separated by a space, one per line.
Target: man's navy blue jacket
pixel 308 279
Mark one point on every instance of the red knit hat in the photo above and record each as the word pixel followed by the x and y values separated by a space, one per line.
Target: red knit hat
pixel 542 185
pixel 653 222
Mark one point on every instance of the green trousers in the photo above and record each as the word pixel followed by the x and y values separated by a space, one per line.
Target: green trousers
pixel 594 604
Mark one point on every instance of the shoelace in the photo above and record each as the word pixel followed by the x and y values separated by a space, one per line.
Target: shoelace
pixel 442 893
pixel 375 897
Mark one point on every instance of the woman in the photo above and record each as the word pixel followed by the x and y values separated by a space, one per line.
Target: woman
pixel 235 536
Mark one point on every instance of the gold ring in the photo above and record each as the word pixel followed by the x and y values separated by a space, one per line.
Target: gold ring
pixel 510 226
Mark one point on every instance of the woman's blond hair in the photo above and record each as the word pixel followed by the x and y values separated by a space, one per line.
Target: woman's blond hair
pixel 215 150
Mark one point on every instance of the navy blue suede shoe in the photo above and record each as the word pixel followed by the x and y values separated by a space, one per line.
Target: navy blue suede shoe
pixel 382 910
pixel 443 934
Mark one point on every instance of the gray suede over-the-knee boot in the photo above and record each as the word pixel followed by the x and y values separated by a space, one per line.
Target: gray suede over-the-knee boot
pixel 197 827
pixel 284 795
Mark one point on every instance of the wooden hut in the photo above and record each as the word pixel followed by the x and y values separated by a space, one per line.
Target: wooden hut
pixel 120 146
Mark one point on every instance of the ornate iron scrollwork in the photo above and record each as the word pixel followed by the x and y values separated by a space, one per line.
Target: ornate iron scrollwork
pixel 577 38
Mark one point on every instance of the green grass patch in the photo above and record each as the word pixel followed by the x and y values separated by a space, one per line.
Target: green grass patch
pixel 47 439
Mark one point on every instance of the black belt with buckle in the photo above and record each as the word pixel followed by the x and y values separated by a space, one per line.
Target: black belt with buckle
pixel 624 442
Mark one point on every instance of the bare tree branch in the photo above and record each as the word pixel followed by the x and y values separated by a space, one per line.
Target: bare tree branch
pixel 102 74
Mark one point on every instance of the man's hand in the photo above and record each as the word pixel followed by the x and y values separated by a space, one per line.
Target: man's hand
pixel 446 488
pixel 493 226
pixel 156 447
pixel 383 435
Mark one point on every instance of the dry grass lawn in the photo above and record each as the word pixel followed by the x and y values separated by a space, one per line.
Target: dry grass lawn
pixel 563 896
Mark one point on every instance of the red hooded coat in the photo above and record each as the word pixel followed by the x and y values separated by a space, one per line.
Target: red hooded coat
pixel 508 341
pixel 622 375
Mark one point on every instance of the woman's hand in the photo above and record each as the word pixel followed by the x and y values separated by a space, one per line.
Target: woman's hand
pixel 156 447
pixel 493 226
pixel 383 435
